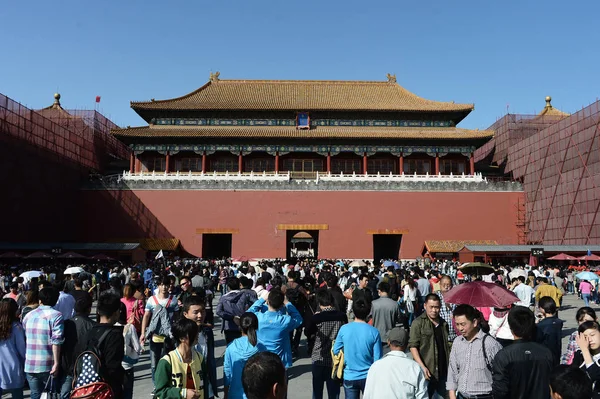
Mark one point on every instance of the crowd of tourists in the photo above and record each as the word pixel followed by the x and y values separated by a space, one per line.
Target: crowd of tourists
pixel 380 331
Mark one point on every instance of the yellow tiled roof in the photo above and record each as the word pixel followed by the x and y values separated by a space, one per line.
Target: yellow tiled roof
pixel 156 244
pixel 301 95
pixel 452 246
pixel 328 132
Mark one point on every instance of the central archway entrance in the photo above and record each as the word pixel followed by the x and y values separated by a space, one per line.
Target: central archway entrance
pixel 302 244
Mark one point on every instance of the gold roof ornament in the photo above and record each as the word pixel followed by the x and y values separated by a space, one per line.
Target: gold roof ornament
pixel 549 110
pixel 391 78
pixel 56 99
pixel 214 77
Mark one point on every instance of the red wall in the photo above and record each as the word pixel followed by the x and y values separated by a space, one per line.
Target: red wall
pixel 426 216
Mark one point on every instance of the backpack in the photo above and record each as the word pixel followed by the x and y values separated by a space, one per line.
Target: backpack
pixel 296 298
pixel 160 324
pixel 485 356
pixel 134 318
pixel 232 304
pixel 87 377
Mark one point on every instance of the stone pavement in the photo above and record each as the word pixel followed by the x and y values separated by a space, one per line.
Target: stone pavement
pixel 300 384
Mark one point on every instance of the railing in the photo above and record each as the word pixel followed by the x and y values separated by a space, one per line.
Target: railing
pixel 287 176
pixel 402 178
pixel 199 176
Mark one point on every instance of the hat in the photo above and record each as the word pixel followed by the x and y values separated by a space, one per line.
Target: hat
pixel 399 335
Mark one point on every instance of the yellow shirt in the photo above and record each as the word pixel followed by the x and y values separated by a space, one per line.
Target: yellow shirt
pixel 548 290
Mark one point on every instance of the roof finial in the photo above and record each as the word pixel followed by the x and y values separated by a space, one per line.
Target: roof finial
pixel 214 77
pixel 548 101
pixel 57 99
pixel 391 78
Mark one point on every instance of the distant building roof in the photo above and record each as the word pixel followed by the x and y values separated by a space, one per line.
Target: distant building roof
pixel 452 246
pixel 333 132
pixel 527 248
pixel 156 244
pixel 302 95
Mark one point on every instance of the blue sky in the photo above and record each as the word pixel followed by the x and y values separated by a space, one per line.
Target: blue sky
pixel 491 53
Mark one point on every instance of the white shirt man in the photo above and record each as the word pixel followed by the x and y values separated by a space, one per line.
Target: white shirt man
pixel 523 292
pixel 395 375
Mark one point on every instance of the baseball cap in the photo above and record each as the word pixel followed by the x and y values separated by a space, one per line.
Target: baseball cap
pixel 398 334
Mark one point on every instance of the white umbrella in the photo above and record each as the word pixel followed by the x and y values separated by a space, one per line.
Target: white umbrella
pixel 357 263
pixel 516 273
pixel 31 274
pixel 73 270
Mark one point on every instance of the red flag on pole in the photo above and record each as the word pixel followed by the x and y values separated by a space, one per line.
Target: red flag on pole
pixel 97 99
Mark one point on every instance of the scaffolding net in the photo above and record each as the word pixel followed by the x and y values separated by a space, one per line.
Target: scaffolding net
pixel 80 137
pixel 558 162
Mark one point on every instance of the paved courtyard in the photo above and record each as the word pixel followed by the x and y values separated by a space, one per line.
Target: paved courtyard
pixel 300 384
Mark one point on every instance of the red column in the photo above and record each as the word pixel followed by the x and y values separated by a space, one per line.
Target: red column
pixel 365 163
pixel 472 164
pixel 328 162
pixel 437 164
pixel 277 162
pixel 204 162
pixel 138 166
pixel 401 164
pixel 132 163
pixel 240 163
pixel 168 161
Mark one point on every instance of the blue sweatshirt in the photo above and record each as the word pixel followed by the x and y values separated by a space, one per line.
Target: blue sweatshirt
pixel 12 359
pixel 236 355
pixel 274 329
pixel 362 347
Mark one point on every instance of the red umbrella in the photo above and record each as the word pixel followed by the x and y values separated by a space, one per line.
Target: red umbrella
pixel 71 255
pixel 101 257
pixel 481 294
pixel 39 255
pixel 562 256
pixel 10 255
pixel 589 257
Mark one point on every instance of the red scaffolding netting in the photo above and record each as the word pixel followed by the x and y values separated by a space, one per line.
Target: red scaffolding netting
pixel 80 137
pixel 557 159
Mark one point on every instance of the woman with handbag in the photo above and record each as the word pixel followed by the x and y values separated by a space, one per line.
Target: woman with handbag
pixel 12 349
pixel 133 299
pixel 132 352
pixel 410 299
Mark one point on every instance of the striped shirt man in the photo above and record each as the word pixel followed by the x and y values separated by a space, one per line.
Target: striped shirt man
pixel 43 329
pixel 468 372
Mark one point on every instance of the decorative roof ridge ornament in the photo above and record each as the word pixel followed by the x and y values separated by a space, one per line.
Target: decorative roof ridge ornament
pixel 214 77
pixel 56 101
pixel 391 78
pixel 548 102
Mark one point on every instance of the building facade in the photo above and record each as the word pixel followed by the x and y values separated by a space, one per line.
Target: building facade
pixel 335 169
pixel 302 127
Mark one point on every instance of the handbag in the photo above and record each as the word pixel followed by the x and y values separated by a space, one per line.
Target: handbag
pixel 410 307
pixel 337 369
pixel 348 292
pixel 49 390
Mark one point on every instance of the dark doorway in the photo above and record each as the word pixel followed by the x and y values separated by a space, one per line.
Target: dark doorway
pixel 302 244
pixel 216 246
pixel 386 246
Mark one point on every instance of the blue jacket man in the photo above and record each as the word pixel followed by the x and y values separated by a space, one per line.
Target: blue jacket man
pixel 276 319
